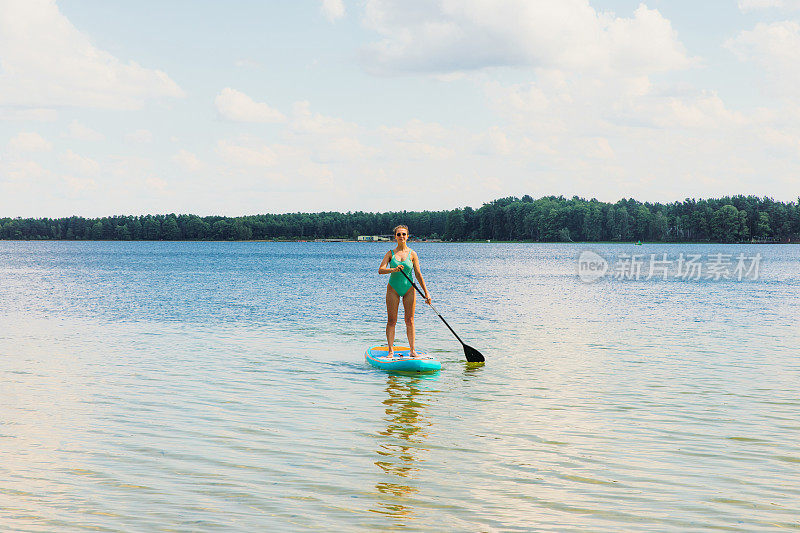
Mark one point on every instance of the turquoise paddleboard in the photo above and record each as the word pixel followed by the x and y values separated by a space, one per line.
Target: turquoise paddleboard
pixel 377 356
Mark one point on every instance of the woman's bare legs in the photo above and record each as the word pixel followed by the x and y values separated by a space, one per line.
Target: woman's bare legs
pixel 392 305
pixel 409 302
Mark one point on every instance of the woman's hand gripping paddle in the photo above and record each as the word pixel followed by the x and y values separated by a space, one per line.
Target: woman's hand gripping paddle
pixel 472 355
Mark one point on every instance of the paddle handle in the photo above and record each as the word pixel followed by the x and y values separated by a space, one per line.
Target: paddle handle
pixel 432 307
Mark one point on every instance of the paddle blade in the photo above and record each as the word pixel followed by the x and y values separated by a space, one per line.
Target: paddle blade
pixel 473 355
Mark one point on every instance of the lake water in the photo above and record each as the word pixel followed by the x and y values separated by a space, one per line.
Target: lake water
pixel 222 387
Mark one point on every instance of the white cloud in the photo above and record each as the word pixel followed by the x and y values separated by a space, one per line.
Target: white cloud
pixel 613 137
pixel 751 5
pixel 47 62
pixel 344 149
pixel 558 104
pixel 457 35
pixel 775 48
pixel 529 147
pixel 29 142
pixel 248 63
pixel 141 136
pixel 416 130
pixel 705 111
pixel 523 98
pixel 598 148
pixel 494 142
pixel 333 9
pixel 21 171
pixel 307 122
pixel 79 164
pixel 81 132
pixel 419 140
pixel 28 114
pixel 422 151
pixel 125 167
pixel 156 184
pixel 322 137
pixel 238 107
pixel 783 140
pixel 644 44
pixel 188 160
pixel 249 154
pixel 79 184
pixel 317 176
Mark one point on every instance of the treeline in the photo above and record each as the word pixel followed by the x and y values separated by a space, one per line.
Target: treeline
pixel 729 219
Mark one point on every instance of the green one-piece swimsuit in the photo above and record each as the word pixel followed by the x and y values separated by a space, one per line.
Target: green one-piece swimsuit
pixel 396 279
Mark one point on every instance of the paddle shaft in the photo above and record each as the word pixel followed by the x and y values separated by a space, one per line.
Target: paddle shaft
pixel 432 307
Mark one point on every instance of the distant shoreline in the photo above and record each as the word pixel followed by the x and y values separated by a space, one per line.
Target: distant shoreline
pixel 342 241
pixel 738 219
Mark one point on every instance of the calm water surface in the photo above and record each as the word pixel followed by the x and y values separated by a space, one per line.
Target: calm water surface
pixel 222 387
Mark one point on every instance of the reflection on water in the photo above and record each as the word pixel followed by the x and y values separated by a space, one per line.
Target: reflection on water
pixel 194 387
pixel 401 444
pixel 472 370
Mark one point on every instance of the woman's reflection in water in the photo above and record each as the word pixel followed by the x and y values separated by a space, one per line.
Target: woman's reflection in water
pixel 401 443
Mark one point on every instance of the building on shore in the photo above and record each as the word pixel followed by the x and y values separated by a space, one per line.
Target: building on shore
pixel 374 238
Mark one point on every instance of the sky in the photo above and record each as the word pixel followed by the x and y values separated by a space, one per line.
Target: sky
pixel 242 107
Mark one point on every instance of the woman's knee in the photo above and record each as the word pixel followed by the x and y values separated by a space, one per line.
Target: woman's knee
pixel 409 321
pixel 391 321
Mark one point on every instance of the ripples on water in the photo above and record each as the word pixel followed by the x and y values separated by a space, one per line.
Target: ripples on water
pixel 221 386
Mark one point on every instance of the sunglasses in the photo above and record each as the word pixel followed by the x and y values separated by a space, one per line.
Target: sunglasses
pixel 398 234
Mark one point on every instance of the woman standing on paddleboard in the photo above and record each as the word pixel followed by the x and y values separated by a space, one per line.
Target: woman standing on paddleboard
pixel 399 263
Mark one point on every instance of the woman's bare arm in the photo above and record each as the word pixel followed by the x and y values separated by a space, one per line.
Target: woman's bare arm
pixel 384 266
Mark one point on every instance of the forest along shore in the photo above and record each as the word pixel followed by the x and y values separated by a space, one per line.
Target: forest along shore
pixel 734 219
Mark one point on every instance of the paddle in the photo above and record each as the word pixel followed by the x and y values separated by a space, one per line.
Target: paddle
pixel 472 355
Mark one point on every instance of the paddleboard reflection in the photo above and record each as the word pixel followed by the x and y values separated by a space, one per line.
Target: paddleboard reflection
pixel 402 444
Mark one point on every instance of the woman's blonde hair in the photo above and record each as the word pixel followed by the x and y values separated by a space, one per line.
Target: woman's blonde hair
pixel 394 231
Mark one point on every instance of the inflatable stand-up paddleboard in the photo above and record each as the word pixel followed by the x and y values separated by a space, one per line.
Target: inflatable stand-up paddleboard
pixel 378 356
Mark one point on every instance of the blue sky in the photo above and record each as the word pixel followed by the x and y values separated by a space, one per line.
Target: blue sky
pixel 251 107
